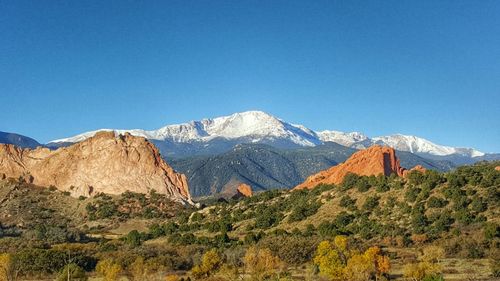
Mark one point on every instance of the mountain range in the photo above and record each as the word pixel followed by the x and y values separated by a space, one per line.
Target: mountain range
pixel 218 135
pixel 265 152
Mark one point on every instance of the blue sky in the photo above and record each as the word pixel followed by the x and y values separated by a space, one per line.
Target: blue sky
pixel 426 68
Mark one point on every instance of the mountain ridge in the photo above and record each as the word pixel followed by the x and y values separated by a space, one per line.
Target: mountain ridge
pixel 261 127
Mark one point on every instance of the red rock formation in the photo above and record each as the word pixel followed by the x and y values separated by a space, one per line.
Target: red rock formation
pixel 245 190
pixel 103 163
pixel 419 168
pixel 497 168
pixel 375 160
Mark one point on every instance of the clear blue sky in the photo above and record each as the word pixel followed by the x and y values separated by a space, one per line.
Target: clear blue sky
pixel 427 68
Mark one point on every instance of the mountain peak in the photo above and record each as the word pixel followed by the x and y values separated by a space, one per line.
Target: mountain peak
pixel 255 126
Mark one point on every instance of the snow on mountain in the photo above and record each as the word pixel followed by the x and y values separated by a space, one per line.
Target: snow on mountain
pixel 353 139
pixel 261 127
pixel 255 124
pixel 419 145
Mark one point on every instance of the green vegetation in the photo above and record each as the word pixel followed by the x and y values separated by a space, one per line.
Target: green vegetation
pixel 367 228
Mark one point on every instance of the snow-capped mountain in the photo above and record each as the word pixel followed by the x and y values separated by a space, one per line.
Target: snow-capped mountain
pixel 353 139
pixel 419 145
pixel 255 125
pixel 219 134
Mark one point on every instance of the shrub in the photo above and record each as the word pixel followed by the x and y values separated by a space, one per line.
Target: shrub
pixel 268 218
pixel 478 205
pixel 108 269
pixel 362 184
pixel 303 210
pixel 434 202
pixel 292 249
pixel 133 238
pixel 433 254
pixel 411 194
pixel 349 181
pixel 261 264
pixel 491 231
pixel 347 202
pixel 7 267
pixel 72 272
pixel 422 271
pixel 210 263
pixel 138 269
pixel 371 202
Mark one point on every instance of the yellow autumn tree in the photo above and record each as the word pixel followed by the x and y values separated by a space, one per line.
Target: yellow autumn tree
pixel 383 265
pixel 210 263
pixel 433 254
pixel 329 262
pixel 138 269
pixel 342 245
pixel 108 269
pixel 359 268
pixel 260 264
pixel 7 271
pixel 336 261
pixel 428 266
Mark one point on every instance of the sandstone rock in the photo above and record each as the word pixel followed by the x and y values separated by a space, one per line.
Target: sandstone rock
pixel 245 190
pixel 103 163
pixel 497 168
pixel 419 168
pixel 375 160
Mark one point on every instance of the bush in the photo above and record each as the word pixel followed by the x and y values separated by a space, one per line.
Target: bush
pixel 268 218
pixel 347 202
pixel 133 238
pixel 350 180
pixel 72 272
pixel 261 264
pixel 434 202
pixel 210 263
pixel 479 205
pixel 422 271
pixel 370 203
pixel 108 269
pixel 303 210
pixel 412 193
pixel 491 231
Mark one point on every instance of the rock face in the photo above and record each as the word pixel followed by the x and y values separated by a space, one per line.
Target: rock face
pixel 245 190
pixel 103 163
pixel 374 160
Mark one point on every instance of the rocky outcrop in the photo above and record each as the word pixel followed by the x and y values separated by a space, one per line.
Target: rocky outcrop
pixel 245 190
pixel 497 168
pixel 419 168
pixel 375 160
pixel 103 163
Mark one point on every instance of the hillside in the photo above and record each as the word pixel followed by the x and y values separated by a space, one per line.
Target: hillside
pixel 454 215
pixel 457 212
pixel 18 140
